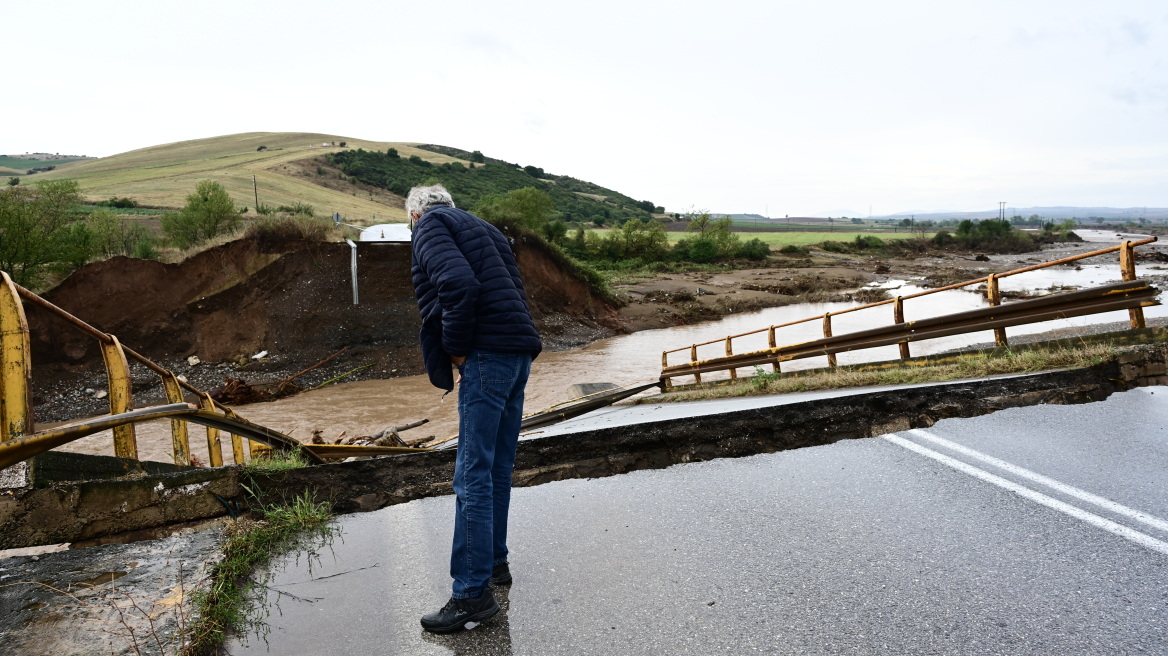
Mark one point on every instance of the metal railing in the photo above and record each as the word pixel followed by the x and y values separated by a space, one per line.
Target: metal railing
pixel 996 317
pixel 19 440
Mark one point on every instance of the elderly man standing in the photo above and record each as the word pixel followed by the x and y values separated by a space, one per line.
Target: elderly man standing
pixel 474 317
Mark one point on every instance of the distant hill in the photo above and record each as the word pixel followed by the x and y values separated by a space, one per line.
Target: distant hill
pixel 312 168
pixel 1122 214
pixel 287 168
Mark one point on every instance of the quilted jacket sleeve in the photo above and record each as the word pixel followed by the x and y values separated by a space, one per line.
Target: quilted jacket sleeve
pixel 448 270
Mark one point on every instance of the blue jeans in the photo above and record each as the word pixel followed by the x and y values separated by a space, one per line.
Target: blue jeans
pixel 490 408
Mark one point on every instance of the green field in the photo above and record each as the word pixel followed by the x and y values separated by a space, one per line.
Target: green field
pixel 23 165
pixel 779 239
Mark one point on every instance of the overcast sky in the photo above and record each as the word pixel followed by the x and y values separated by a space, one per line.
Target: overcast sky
pixel 782 107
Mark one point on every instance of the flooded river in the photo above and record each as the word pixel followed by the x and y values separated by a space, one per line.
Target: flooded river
pixel 363 408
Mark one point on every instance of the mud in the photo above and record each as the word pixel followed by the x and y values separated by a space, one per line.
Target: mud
pixel 293 300
pixel 102 509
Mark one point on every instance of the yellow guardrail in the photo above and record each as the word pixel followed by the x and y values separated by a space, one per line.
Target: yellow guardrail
pixel 20 441
pixel 828 346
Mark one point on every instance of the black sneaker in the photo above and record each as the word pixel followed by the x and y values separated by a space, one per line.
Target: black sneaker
pixel 461 613
pixel 501 575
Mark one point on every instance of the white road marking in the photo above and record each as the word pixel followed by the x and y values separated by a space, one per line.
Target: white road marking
pixel 1102 502
pixel 1133 535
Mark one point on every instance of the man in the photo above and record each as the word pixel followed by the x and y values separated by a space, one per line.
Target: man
pixel 475 317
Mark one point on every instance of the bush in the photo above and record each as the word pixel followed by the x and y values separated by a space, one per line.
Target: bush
pixel 835 247
pixel 754 249
pixel 792 249
pixel 114 235
pixel 209 212
pixel 868 242
pixel 120 203
pixel 261 149
pixel 297 227
pixel 298 208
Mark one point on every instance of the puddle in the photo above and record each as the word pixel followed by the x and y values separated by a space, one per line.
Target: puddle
pixel 100 579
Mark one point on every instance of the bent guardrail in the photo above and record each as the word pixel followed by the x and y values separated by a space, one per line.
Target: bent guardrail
pixel 20 441
pixel 997 317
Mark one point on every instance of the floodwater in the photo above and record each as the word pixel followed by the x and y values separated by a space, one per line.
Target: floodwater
pixel 363 408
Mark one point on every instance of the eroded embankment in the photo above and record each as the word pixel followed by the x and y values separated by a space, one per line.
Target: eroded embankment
pixel 100 509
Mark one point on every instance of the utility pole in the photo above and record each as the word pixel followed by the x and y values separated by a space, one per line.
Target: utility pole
pixel 256 189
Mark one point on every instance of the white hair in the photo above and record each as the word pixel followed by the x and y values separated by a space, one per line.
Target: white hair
pixel 421 199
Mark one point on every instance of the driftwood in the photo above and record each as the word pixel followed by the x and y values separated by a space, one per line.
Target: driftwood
pixel 237 391
pixel 388 436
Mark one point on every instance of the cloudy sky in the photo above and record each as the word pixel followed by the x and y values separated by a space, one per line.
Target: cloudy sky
pixel 776 107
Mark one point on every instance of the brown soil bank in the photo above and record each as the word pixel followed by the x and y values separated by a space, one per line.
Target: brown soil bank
pixel 293 300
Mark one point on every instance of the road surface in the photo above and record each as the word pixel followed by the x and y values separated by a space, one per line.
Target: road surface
pixel 1040 530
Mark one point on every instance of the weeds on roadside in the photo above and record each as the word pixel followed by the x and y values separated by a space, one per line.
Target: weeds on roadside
pixel 1009 361
pixel 275 462
pixel 224 604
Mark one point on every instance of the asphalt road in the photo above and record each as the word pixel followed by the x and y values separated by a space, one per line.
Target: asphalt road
pixel 1039 530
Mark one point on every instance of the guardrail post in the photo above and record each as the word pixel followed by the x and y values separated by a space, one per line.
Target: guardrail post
pixel 994 294
pixel 1127 270
pixel 898 318
pixel 771 342
pixel 117 372
pixel 259 450
pixel 730 351
pixel 827 333
pixel 178 428
pixel 237 451
pixel 693 357
pixel 214 447
pixel 15 364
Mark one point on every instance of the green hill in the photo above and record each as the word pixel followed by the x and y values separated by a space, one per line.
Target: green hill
pixel 359 180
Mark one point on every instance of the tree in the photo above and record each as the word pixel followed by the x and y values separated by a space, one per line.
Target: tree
pixel 527 207
pixel 209 212
pixel 35 229
pixel 477 157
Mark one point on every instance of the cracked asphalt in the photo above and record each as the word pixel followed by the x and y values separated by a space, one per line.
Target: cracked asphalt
pixel 1034 530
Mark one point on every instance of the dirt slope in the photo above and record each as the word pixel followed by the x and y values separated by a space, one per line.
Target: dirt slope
pixel 294 300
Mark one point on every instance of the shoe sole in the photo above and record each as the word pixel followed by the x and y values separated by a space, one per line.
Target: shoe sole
pixel 466 623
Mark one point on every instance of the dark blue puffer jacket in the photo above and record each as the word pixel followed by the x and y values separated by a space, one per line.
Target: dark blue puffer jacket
pixel 469 292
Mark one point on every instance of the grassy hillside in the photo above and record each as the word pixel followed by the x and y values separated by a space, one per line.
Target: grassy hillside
pixel 164 175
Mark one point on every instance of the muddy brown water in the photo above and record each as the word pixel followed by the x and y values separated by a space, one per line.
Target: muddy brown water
pixel 363 408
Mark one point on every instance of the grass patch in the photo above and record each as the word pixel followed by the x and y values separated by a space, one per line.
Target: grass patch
pixel 250 543
pixel 962 367
pixel 275 462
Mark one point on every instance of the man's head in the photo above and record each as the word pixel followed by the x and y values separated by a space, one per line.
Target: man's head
pixel 421 199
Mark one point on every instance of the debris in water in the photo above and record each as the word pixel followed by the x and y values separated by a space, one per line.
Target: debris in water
pixel 261 354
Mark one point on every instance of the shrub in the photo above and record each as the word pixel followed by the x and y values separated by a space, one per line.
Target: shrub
pixel 835 247
pixel 754 249
pixel 792 249
pixel 297 227
pixel 299 208
pixel 12 182
pixel 209 212
pixel 261 149
pixel 120 203
pixel 868 242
